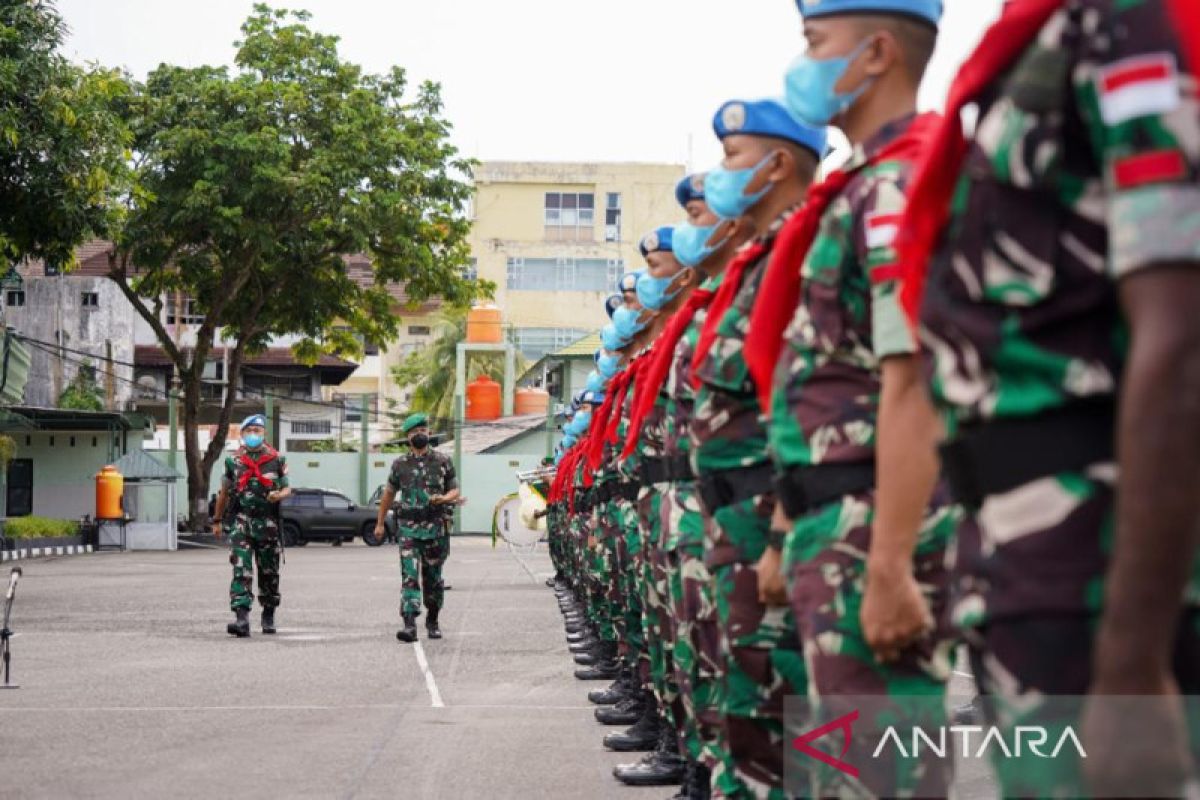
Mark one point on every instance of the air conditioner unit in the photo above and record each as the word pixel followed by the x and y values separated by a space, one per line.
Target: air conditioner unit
pixel 612 233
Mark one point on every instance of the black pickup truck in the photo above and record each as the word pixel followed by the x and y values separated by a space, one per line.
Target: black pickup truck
pixel 311 515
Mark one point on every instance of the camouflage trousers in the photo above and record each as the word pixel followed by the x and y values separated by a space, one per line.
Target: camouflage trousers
pixel 421 563
pixel 653 585
pixel 627 598
pixel 254 542
pixel 696 649
pixel 556 542
pixel 825 559
pixel 601 545
pixel 1031 635
pixel 763 660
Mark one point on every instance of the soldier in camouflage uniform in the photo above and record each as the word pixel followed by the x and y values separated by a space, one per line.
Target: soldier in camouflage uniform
pixel 729 444
pixel 420 483
pixel 255 482
pixel 1070 275
pixel 867 524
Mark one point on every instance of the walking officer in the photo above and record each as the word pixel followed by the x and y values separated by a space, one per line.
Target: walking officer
pixel 255 483
pixel 421 483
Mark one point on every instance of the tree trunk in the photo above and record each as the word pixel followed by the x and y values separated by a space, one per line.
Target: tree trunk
pixel 197 472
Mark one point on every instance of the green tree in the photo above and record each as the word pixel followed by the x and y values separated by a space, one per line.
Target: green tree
pixel 63 141
pixel 430 373
pixel 82 393
pixel 252 187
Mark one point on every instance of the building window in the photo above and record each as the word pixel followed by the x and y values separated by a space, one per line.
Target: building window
pixel 189 312
pixel 296 387
pixel 570 216
pixel 316 426
pixel 352 406
pixel 14 298
pixel 90 299
pixel 564 274
pixel 418 330
pixel 612 217
pixel 537 342
pixel 471 270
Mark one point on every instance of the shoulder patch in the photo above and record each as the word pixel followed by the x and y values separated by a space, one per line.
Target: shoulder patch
pixel 1139 86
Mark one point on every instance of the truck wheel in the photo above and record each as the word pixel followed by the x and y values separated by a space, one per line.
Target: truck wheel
pixel 368 535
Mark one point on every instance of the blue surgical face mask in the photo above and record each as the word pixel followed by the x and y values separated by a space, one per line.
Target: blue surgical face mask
pixel 725 189
pixel 252 440
pixel 654 293
pixel 595 382
pixel 582 420
pixel 625 320
pixel 608 364
pixel 809 83
pixel 691 243
pixel 611 339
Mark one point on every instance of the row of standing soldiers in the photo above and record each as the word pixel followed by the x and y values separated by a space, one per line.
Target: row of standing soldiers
pixel 841 428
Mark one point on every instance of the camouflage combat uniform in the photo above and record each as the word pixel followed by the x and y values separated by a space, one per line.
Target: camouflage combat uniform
pixel 416 478
pixel 1083 172
pixel 763 663
pixel 824 410
pixel 252 524
pixel 699 663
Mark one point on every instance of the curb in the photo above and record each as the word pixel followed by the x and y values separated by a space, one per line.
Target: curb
pixel 37 552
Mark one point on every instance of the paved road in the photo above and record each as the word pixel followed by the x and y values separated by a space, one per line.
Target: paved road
pixel 131 688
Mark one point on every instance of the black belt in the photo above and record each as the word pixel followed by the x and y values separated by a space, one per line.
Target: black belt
pixel 993 457
pixel 628 490
pixel 666 470
pixel 426 514
pixel 802 489
pixel 731 486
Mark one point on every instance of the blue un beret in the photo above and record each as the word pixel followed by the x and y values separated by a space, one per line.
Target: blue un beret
pixel 924 10
pixel 767 117
pixel 689 189
pixel 655 241
pixel 628 282
pixel 255 419
pixel 612 303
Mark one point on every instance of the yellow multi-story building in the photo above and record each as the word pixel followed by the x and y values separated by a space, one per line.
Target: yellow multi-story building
pixel 556 237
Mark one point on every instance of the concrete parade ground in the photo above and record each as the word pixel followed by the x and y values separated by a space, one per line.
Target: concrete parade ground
pixel 130 686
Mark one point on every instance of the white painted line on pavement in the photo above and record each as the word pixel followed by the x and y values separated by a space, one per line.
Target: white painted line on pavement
pixel 430 684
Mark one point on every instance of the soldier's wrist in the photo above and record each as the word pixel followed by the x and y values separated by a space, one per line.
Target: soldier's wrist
pixel 776 539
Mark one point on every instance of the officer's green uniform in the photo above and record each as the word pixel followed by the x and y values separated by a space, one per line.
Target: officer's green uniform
pixel 254 529
pixel 423 543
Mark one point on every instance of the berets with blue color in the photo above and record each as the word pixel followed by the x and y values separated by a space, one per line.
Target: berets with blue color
pixel 689 189
pixel 767 117
pixel 657 241
pixel 924 10
pixel 628 282
pixel 255 419
pixel 612 303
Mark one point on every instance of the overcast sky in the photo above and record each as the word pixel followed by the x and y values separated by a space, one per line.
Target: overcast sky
pixel 622 80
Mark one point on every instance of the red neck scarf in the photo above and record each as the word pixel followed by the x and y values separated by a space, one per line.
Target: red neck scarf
pixel 938 171
pixel 254 469
pixel 660 365
pixel 1186 14
pixel 610 411
pixel 779 293
pixel 726 293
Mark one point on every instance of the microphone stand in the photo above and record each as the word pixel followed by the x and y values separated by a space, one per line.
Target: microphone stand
pixel 5 633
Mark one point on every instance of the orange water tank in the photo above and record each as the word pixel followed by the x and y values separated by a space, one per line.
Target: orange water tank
pixel 110 486
pixel 483 325
pixel 531 401
pixel 483 398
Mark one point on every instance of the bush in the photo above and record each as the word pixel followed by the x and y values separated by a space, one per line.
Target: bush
pixel 39 527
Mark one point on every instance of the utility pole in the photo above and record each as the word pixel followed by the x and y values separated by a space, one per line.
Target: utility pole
pixel 364 447
pixel 110 386
pixel 172 421
pixel 269 403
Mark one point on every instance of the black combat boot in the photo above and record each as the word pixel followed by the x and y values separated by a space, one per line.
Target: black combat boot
pixel 431 624
pixel 626 712
pixel 689 782
pixel 623 687
pixel 644 734
pixel 585 645
pixel 602 662
pixel 663 767
pixel 241 626
pixel 409 632
pixel 701 783
pixel 268 620
pixel 578 636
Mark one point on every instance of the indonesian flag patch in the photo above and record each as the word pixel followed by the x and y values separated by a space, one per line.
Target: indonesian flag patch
pixel 1139 86
pixel 882 227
